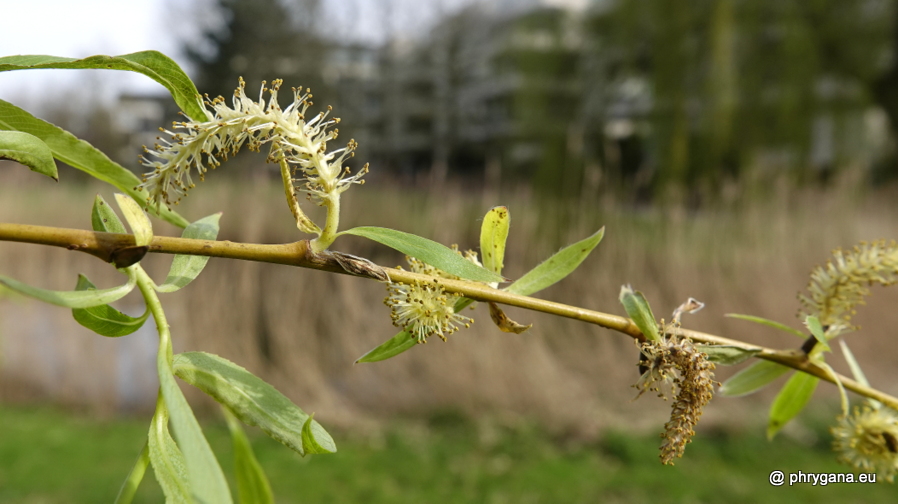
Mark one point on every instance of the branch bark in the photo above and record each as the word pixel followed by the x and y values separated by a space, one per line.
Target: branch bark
pixel 106 245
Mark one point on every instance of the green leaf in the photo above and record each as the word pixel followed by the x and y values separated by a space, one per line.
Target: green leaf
pixel 185 268
pixel 71 299
pixel 28 150
pixel 309 438
pixel 753 378
pixel 207 481
pixel 555 268
pixel 835 378
pixel 252 484
pixel 153 64
pixel 767 322
pixel 104 319
pixel 254 401
pixel 129 487
pixel 856 370
pixel 429 251
pixel 137 219
pixel 638 309
pixel 167 459
pixel 391 348
pixel 493 234
pixel 792 398
pixel 81 155
pixel 813 324
pixel 104 219
pixel 727 355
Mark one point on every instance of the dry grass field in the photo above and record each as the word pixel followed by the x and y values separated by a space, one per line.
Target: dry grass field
pixel 302 330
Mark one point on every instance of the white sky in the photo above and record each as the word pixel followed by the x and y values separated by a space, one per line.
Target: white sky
pixel 79 28
pixel 76 29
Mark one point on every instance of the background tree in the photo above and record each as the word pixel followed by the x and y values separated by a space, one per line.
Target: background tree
pixel 261 40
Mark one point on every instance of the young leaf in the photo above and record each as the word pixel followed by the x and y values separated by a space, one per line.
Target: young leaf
pixel 792 398
pixel 429 251
pixel 71 299
pixel 80 154
pixel 555 268
pixel 856 370
pixel 813 324
pixel 252 484
pixel 153 64
pixel 254 401
pixel 309 438
pixel 28 150
pixel 185 268
pixel 638 309
pixel 767 322
pixel 167 459
pixel 104 219
pixel 727 355
pixel 207 481
pixel 391 348
pixel 129 487
pixel 104 319
pixel 752 378
pixel 137 219
pixel 493 234
pixel 835 378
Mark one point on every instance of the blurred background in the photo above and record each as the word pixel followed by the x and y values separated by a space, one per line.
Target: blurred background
pixel 727 146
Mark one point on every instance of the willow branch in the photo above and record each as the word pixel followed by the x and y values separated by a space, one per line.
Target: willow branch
pixel 106 246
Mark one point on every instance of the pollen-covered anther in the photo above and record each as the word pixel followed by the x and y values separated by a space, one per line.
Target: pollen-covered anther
pixel 251 123
pixel 868 440
pixel 424 309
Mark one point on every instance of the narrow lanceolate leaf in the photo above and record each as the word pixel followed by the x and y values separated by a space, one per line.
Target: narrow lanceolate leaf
pixel 167 459
pixel 856 370
pixel 767 322
pixel 79 154
pixel 137 219
pixel 254 401
pixel 132 482
pixel 71 299
pixel 555 268
pixel 793 397
pixel 207 481
pixel 252 484
pixel 429 251
pixel 813 324
pixel 153 64
pixel 104 319
pixel 28 150
pixel 185 268
pixel 104 219
pixel 753 378
pixel 391 348
pixel 638 309
pixel 493 234
pixel 727 355
pixel 843 395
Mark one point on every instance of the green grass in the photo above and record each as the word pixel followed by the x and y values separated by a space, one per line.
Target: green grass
pixel 48 457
